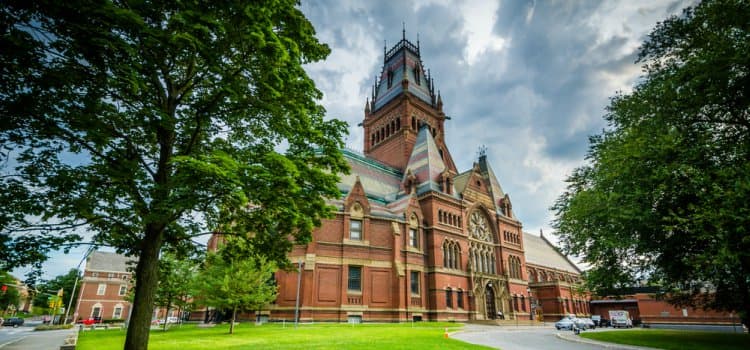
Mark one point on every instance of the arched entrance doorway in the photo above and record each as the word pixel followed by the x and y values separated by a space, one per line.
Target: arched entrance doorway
pixel 489 299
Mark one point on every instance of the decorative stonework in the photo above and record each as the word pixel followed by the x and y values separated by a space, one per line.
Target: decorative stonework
pixel 479 228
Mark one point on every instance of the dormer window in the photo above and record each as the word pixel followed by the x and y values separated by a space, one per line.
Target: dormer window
pixel 390 78
pixel 416 76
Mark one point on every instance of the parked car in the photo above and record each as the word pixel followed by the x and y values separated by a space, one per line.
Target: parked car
pixel 170 320
pixel 565 323
pixel 13 321
pixel 587 323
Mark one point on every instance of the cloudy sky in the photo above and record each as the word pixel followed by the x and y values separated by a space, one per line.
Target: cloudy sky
pixel 527 79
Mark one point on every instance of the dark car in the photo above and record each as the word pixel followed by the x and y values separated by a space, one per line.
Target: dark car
pixel 13 321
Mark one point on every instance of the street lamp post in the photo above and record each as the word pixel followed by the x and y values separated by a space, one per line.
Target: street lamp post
pixel 531 304
pixel 75 284
pixel 299 282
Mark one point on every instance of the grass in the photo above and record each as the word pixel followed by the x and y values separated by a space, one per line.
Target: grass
pixel 673 339
pixel 405 336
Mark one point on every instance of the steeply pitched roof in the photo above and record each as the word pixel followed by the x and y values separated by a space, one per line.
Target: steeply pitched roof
pixel 425 162
pixel 106 261
pixel 401 62
pixel 539 251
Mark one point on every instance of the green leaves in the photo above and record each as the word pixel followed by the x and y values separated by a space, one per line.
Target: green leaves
pixel 151 123
pixel 237 278
pixel 660 197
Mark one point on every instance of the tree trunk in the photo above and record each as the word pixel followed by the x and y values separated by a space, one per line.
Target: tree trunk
pixel 231 325
pixel 166 316
pixel 147 277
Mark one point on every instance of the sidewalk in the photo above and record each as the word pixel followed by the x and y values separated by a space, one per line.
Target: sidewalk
pixel 569 336
pixel 42 340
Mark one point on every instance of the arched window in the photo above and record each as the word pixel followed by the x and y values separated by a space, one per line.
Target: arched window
pixel 449 298
pixel 460 299
pixel 398 124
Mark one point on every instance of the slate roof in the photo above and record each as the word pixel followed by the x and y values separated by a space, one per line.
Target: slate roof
pixel 539 251
pixel 425 162
pixel 381 182
pixel 106 261
pixel 402 60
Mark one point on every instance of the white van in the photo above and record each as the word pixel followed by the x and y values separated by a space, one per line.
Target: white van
pixel 620 318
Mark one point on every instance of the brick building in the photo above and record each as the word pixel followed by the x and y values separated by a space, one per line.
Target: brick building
pixel 648 306
pixel 415 238
pixel 105 283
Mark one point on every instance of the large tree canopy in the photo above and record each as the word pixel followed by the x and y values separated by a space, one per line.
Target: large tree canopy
pixel 138 120
pixel 665 194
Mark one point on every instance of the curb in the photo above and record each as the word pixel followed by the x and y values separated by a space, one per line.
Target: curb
pixel 577 339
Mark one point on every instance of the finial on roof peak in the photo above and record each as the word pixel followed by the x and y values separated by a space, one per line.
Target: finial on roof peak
pixel 482 153
pixel 403 30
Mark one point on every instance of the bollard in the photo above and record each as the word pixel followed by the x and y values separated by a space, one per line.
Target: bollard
pixel 446 333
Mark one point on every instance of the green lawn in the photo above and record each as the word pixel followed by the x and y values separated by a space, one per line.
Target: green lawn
pixel 673 339
pixel 424 335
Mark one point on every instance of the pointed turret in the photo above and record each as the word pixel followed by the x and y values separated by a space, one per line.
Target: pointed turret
pixel 425 163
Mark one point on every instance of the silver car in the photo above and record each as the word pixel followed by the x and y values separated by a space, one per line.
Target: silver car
pixel 565 323
pixel 585 323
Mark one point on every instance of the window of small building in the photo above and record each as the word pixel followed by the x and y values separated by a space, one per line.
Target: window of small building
pixel 355 279
pixel 96 311
pixel 415 282
pixel 94 274
pixel 123 289
pixel 118 312
pixel 102 289
pixel 355 229
pixel 449 298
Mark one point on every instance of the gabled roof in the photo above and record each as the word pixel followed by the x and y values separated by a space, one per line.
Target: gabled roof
pixel 487 173
pixel 401 62
pixel 539 251
pixel 425 162
pixel 110 262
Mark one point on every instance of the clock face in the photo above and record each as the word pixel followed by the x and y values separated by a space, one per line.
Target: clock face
pixel 478 227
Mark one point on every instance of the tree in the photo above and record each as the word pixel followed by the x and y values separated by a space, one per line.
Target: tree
pixel 48 288
pixel 664 197
pixel 136 121
pixel 176 283
pixel 9 297
pixel 235 282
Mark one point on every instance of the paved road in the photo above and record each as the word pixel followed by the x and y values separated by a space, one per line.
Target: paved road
pixel 10 334
pixel 523 338
pixel 24 338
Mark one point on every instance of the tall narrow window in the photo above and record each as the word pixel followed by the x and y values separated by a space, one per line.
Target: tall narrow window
pixel 118 312
pixel 449 298
pixel 355 278
pixel 102 289
pixel 415 282
pixel 460 299
pixel 413 238
pixel 123 289
pixel 355 229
